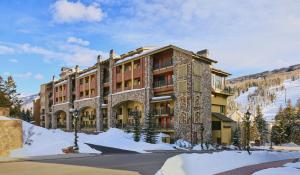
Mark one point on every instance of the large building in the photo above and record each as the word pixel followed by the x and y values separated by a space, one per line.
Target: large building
pixel 180 88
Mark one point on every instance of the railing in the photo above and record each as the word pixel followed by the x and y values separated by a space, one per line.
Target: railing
pixel 162 65
pixel 162 83
pixel 164 111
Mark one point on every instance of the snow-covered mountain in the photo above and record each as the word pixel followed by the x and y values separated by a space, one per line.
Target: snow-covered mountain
pixel 27 101
pixel 289 90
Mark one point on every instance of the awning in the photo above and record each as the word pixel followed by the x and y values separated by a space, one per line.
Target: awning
pixel 222 117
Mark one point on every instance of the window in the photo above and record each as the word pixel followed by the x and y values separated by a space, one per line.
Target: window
pixel 60 99
pixel 87 93
pixel 92 91
pixel 136 64
pixel 218 82
pixel 56 99
pixel 127 83
pixel 81 94
pixel 222 109
pixel 216 125
pixel 86 79
pixel 56 89
pixel 119 85
pixel 60 88
pixel 81 81
pixel 127 67
pixel 137 81
pixel 119 69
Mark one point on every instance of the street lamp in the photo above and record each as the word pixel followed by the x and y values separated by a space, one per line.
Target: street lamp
pixel 247 129
pixel 75 114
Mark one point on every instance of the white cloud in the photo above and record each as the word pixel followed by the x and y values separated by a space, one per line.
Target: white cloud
pixel 38 76
pixel 78 41
pixel 13 60
pixel 258 35
pixel 69 12
pixel 6 50
pixel 23 75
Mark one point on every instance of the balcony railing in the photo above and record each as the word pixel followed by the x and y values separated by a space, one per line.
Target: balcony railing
pixel 162 83
pixel 162 65
pixel 164 111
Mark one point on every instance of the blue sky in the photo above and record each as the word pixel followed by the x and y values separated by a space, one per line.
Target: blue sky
pixel 38 37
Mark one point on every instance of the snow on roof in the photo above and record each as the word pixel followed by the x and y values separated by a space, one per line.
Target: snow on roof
pixel 63 82
pixel 86 73
pixel 162 97
pixel 138 55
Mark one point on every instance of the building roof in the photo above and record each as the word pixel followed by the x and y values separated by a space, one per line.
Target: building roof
pixel 222 117
pixel 220 72
pixel 154 50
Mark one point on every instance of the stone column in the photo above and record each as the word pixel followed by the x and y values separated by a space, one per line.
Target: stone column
pixel 69 121
pixel 148 84
pixel 99 119
pixel 47 121
pixel 53 121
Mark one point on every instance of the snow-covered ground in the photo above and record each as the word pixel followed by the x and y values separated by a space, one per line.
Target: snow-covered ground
pixel 192 164
pixel 290 91
pixel 41 141
pixel 288 169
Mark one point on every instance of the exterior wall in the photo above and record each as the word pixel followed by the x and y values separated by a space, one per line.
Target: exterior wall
pixel 4 111
pixel 192 94
pixel 36 111
pixel 11 136
pixel 225 133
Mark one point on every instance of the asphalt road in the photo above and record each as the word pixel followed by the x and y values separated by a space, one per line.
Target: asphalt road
pixel 145 164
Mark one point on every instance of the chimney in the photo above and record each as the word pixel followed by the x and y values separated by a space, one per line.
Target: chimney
pixel 99 58
pixel 76 68
pixel 203 53
pixel 111 53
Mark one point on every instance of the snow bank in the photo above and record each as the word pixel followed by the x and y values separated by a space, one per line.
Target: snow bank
pixel 192 164
pixel 41 141
pixel 289 168
pixel 117 138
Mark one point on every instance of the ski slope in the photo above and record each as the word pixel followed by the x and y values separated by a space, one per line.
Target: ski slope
pixel 291 91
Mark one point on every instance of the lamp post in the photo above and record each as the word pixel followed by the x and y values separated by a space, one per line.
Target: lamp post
pixel 75 113
pixel 247 129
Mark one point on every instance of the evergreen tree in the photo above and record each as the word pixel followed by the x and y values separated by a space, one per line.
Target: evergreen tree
pixel 13 96
pixel 261 125
pixel 136 126
pixel 279 134
pixel 254 133
pixel 4 101
pixel 236 137
pixel 149 130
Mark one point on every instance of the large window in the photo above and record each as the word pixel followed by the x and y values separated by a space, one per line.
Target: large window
pixel 216 125
pixel 218 82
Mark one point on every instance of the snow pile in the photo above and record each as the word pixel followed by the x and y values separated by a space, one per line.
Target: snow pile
pixel 41 141
pixel 289 168
pixel 192 164
pixel 117 138
pixel 291 144
pixel 182 144
pixel 199 148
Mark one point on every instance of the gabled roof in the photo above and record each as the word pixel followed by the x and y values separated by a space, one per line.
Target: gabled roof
pixel 222 117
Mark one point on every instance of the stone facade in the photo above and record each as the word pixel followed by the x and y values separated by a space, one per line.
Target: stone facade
pixel 190 91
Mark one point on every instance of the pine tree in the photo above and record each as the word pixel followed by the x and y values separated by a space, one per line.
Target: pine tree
pixel 11 91
pixel 254 133
pixel 261 125
pixel 136 126
pixel 149 130
pixel 4 101
pixel 236 137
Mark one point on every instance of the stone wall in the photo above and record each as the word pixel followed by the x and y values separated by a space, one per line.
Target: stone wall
pixel 192 86
pixel 61 107
pixel 11 136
